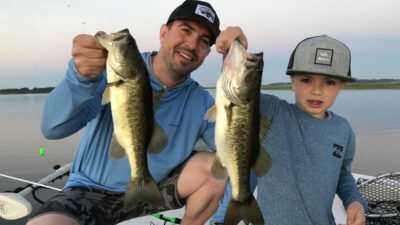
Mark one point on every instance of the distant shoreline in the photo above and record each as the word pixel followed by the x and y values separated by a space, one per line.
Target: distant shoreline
pixel 389 84
pixel 347 87
pixel 13 91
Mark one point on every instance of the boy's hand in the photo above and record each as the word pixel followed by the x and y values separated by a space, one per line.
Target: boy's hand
pixel 89 56
pixel 355 214
pixel 226 37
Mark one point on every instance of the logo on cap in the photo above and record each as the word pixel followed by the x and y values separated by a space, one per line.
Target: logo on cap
pixel 323 56
pixel 205 12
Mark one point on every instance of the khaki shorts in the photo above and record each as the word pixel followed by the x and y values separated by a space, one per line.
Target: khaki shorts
pixel 89 205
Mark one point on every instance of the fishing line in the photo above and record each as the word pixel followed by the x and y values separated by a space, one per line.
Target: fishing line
pixel 83 23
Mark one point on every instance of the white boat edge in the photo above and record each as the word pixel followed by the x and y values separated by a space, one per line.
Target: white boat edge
pixel 22 207
pixel 338 210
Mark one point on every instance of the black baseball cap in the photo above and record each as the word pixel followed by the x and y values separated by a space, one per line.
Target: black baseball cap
pixel 200 11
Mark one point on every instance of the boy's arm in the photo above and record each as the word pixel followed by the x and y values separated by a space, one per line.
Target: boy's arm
pixel 347 187
pixel 355 214
pixel 73 103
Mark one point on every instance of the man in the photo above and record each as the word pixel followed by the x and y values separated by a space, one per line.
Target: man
pixel 94 192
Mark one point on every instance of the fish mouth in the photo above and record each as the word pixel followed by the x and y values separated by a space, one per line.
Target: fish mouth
pixel 116 72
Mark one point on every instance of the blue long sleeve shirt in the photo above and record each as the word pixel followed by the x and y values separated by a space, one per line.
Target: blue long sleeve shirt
pixel 311 161
pixel 76 103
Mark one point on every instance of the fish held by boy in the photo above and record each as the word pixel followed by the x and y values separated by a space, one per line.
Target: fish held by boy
pixel 135 129
pixel 239 131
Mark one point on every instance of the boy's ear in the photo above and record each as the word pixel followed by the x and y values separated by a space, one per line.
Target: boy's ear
pixel 292 80
pixel 344 84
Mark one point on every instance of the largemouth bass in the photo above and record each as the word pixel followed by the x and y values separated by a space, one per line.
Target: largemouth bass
pixel 239 130
pixel 135 130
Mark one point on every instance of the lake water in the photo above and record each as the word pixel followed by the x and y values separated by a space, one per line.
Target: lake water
pixel 374 115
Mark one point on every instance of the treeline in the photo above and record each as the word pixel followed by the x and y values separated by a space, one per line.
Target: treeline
pixel 25 90
pixel 359 84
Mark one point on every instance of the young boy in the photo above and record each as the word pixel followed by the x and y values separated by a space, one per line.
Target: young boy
pixel 311 148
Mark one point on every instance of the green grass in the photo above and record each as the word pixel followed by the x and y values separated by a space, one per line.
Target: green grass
pixel 372 86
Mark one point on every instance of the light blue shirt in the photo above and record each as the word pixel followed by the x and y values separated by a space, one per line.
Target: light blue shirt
pixel 76 103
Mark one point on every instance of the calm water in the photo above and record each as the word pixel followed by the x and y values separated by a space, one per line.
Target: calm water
pixel 374 115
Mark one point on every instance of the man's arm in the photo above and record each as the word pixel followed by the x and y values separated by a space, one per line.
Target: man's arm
pixel 77 99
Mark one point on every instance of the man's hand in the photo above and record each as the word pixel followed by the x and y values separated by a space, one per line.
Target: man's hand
pixel 226 37
pixel 89 56
pixel 355 214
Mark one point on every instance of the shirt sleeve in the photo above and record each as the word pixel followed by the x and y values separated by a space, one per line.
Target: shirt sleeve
pixel 72 104
pixel 208 134
pixel 347 187
pixel 269 105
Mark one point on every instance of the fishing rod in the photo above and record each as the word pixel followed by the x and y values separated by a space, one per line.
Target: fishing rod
pixel 14 205
pixel 167 219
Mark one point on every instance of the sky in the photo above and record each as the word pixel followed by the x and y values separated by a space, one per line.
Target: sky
pixel 36 35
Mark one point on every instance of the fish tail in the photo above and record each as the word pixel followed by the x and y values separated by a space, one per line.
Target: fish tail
pixel 144 190
pixel 249 212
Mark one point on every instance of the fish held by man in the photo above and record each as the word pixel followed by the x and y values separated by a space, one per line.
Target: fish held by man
pixel 135 130
pixel 239 131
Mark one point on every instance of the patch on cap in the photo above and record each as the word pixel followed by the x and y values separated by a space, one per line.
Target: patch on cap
pixel 205 12
pixel 323 56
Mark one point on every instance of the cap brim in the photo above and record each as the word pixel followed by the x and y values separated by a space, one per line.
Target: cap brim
pixel 347 79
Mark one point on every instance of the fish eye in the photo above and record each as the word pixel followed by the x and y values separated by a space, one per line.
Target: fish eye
pixel 131 45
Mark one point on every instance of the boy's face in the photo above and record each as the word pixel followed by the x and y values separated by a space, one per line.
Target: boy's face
pixel 315 93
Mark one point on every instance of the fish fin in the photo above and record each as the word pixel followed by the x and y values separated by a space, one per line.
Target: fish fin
pixel 228 110
pixel 217 170
pixel 211 114
pixel 264 126
pixel 142 190
pixel 158 140
pixel 106 96
pixel 263 162
pixel 249 212
pixel 115 149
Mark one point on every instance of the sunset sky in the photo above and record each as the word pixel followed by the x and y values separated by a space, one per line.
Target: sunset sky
pixel 36 35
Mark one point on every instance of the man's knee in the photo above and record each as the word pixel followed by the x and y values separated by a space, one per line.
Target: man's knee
pixel 215 186
pixel 197 174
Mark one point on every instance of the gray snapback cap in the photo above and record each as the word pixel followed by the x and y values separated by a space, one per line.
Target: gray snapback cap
pixel 321 55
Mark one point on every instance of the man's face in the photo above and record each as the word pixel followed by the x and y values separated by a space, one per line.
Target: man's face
pixel 184 45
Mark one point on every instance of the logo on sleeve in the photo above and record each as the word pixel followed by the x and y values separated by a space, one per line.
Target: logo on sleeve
pixel 323 56
pixel 338 151
pixel 205 12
